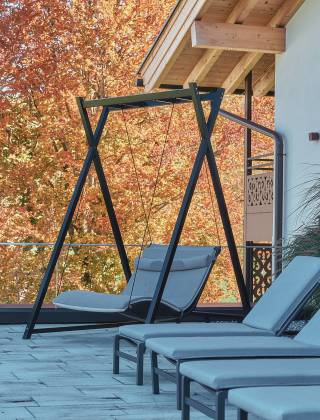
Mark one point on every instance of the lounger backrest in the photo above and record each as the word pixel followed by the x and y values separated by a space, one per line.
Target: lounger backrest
pixel 310 333
pixel 285 294
pixel 189 272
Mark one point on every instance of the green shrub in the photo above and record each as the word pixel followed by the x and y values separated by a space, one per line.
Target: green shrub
pixel 306 239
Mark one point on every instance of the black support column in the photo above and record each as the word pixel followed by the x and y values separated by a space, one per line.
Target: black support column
pixel 248 260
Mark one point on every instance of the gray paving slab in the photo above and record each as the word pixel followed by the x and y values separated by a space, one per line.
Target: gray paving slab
pixel 15 413
pixel 69 376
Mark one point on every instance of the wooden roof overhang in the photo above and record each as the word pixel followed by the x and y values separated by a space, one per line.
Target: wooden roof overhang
pixel 216 43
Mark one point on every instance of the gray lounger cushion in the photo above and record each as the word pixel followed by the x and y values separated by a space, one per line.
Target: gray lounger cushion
pixel 203 347
pixel 143 332
pixel 306 343
pixel 286 292
pixel 266 318
pixel 310 332
pixel 279 403
pixel 228 374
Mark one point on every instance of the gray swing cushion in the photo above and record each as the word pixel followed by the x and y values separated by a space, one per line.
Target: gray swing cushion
pixel 279 402
pixel 227 374
pixel 92 301
pixel 285 294
pixel 183 251
pixel 191 266
pixel 82 300
pixel 179 264
pixel 181 289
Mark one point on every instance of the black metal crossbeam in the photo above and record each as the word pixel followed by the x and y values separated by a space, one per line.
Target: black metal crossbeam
pixel 179 96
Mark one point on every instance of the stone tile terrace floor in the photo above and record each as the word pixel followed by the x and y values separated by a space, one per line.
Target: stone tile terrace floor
pixel 69 376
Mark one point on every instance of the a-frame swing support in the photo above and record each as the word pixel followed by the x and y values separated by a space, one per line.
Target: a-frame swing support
pixel 205 151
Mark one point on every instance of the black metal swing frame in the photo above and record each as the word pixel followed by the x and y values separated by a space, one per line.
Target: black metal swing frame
pixel 180 96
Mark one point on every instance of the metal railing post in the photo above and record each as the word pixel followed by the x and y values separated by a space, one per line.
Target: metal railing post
pixel 277 184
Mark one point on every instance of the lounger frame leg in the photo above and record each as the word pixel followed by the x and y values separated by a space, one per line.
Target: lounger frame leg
pixel 141 348
pixel 216 413
pixel 220 405
pixel 138 359
pixel 154 373
pixel 179 386
pixel 175 377
pixel 116 357
pixel 242 415
pixel 185 383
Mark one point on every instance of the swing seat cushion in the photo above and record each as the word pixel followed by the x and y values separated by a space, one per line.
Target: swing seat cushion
pixel 279 402
pixel 92 301
pixel 227 374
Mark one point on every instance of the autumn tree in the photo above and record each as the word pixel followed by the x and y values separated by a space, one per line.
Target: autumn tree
pixel 52 52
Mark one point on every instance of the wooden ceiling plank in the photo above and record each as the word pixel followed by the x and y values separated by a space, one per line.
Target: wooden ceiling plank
pixel 238 14
pixel 249 60
pixel 266 82
pixel 240 71
pixel 241 11
pixel 284 13
pixel 228 36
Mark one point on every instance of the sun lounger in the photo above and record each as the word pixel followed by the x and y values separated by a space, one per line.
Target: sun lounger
pixel 278 403
pixel 221 376
pixel 269 317
pixel 180 349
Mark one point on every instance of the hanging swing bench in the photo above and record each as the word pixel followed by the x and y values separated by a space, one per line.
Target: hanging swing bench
pixel 191 267
pixel 167 280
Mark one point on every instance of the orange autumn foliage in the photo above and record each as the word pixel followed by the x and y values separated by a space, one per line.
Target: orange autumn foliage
pixel 51 53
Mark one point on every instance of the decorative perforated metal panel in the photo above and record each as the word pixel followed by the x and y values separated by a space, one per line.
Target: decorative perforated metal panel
pixel 260 191
pixel 259 207
pixel 261 270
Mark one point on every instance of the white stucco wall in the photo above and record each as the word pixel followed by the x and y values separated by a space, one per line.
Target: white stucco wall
pixel 298 105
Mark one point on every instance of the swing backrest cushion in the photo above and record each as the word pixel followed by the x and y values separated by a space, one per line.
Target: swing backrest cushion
pixel 189 272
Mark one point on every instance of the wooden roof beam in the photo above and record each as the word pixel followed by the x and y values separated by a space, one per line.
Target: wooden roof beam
pixel 238 14
pixel 265 83
pixel 249 60
pixel 172 43
pixel 228 36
